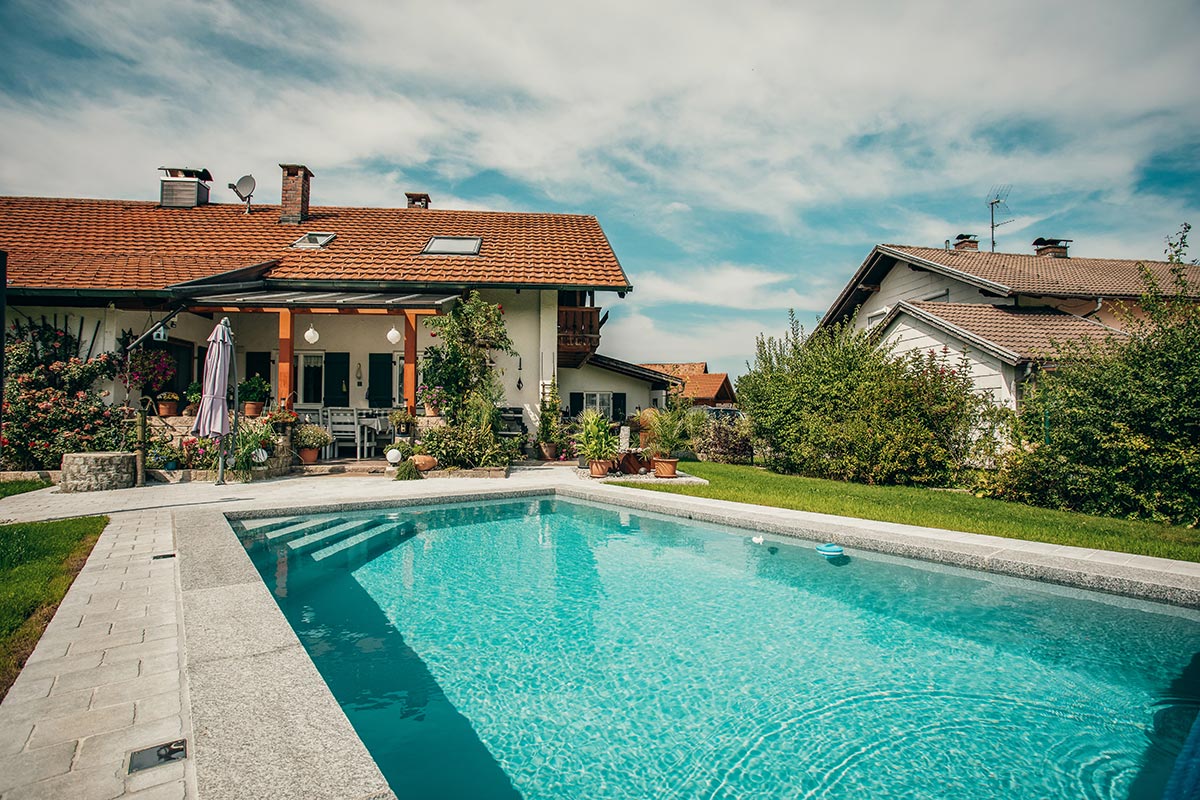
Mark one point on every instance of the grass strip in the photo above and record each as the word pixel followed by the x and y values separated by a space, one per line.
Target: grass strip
pixel 38 562
pixel 9 488
pixel 958 511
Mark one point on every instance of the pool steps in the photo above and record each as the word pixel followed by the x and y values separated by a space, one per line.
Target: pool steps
pixel 323 539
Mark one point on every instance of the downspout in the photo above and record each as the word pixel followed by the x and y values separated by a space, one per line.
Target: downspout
pixel 1096 310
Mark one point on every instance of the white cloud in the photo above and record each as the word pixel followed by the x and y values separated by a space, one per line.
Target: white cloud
pixel 737 286
pixel 725 343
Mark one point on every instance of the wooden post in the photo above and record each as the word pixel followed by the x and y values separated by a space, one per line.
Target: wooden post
pixel 140 450
pixel 286 380
pixel 410 362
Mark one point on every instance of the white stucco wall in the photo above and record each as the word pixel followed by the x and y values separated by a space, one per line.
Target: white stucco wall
pixel 593 379
pixel 905 283
pixel 990 375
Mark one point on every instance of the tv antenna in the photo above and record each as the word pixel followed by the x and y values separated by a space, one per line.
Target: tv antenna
pixel 244 189
pixel 998 204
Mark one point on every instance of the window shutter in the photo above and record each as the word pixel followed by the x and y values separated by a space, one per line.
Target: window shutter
pixel 337 379
pixel 619 406
pixel 576 400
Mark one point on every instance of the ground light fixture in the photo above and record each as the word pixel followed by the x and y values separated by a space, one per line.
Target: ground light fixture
pixel 311 336
pixel 393 456
pixel 394 335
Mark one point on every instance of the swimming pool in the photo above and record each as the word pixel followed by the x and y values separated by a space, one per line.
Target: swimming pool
pixel 552 648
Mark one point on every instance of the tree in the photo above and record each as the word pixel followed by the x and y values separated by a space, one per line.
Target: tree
pixel 461 364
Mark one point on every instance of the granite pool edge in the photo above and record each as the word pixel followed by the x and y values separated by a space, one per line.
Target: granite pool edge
pixel 1161 580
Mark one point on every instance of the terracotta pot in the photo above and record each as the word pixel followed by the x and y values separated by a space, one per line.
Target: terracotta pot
pixel 643 439
pixel 599 469
pixel 252 409
pixel 549 451
pixel 168 408
pixel 432 411
pixel 308 455
pixel 424 462
pixel 665 467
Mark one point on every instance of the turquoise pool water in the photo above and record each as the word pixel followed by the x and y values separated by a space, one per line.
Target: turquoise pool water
pixel 553 649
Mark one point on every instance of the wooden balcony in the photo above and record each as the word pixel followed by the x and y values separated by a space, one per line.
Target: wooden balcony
pixel 578 334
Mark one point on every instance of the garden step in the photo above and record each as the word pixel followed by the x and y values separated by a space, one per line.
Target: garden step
pixel 388 533
pixel 326 536
pixel 300 527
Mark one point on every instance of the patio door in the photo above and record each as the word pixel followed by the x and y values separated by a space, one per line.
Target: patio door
pixel 337 380
pixel 380 380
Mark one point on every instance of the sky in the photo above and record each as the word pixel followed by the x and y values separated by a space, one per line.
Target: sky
pixel 743 158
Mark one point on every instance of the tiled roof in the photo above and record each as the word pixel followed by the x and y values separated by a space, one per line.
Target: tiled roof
pixel 114 244
pixel 706 386
pixel 1042 275
pixel 1029 333
pixel 680 369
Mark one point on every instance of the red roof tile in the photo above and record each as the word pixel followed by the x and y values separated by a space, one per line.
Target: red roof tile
pixel 708 386
pixel 1042 275
pixel 680 369
pixel 1028 332
pixel 114 244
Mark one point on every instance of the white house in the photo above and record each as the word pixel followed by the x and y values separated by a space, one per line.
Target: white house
pixel 1007 312
pixel 325 302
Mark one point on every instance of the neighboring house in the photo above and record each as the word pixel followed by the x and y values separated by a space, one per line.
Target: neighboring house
pixel 1005 311
pixel 325 302
pixel 702 387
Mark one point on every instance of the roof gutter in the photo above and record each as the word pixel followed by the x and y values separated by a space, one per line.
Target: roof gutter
pixel 411 286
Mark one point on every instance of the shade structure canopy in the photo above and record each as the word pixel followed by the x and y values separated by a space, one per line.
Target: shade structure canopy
pixel 212 419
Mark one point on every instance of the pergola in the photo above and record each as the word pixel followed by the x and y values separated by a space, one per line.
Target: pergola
pixel 286 304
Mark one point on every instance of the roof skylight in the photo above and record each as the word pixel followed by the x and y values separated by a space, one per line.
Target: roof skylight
pixel 313 241
pixel 453 246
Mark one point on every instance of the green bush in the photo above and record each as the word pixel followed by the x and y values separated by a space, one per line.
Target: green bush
pixel 1115 429
pixel 407 471
pixel 725 440
pixel 837 405
pixel 466 447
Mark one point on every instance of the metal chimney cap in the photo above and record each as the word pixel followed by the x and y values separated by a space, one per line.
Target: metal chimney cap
pixel 188 172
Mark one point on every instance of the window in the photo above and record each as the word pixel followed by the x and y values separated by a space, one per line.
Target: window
pixel 312 378
pixel 876 318
pixel 453 246
pixel 601 401
pixel 313 241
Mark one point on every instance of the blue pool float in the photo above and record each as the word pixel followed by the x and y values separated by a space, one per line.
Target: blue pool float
pixel 829 549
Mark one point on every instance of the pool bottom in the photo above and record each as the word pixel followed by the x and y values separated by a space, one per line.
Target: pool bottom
pixel 539 658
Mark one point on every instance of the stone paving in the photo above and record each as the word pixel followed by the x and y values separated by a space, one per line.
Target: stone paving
pixel 111 673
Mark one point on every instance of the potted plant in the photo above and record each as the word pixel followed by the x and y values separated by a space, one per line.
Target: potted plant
pixel 423 459
pixel 549 427
pixel 597 443
pixel 192 394
pixel 253 393
pixel 401 420
pixel 668 433
pixel 167 404
pixel 308 439
pixel 280 418
pixel 433 398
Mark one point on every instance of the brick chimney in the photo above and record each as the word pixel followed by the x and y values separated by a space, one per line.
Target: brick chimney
pixel 966 241
pixel 417 199
pixel 293 207
pixel 1051 248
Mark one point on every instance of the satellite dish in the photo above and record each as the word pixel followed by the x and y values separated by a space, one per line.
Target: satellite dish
pixel 244 188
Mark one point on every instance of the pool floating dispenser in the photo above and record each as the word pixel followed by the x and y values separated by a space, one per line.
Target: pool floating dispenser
pixel 830 550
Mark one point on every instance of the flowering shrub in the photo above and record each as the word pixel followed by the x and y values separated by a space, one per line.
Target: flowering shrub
pixel 432 396
pixel 252 435
pixel 148 370
pixel 50 404
pixel 199 452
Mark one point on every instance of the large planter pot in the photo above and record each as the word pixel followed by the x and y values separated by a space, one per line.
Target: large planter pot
pixel 252 409
pixel 308 455
pixel 432 411
pixel 549 451
pixel 424 462
pixel 665 467
pixel 599 469
pixel 167 408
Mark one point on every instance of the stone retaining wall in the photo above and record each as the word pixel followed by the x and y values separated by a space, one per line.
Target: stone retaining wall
pixel 97 472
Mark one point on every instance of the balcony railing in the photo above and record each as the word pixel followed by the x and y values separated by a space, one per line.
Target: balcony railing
pixel 578 333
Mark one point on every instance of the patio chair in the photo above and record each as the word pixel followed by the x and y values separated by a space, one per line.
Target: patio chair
pixel 367 424
pixel 310 412
pixel 342 424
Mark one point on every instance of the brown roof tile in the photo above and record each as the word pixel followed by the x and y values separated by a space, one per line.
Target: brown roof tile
pixel 1042 275
pixel 706 386
pixel 1029 332
pixel 680 369
pixel 114 244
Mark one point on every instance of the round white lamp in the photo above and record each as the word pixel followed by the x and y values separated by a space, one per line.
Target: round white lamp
pixel 311 336
pixel 393 457
pixel 394 336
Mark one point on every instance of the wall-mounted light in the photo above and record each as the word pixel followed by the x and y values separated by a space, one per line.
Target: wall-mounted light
pixel 311 336
pixel 358 373
pixel 394 335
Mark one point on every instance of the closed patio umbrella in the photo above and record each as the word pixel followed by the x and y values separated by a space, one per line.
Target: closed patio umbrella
pixel 212 418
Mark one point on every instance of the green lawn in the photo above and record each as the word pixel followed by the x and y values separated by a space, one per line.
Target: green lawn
pixel 38 561
pixel 953 510
pixel 9 488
